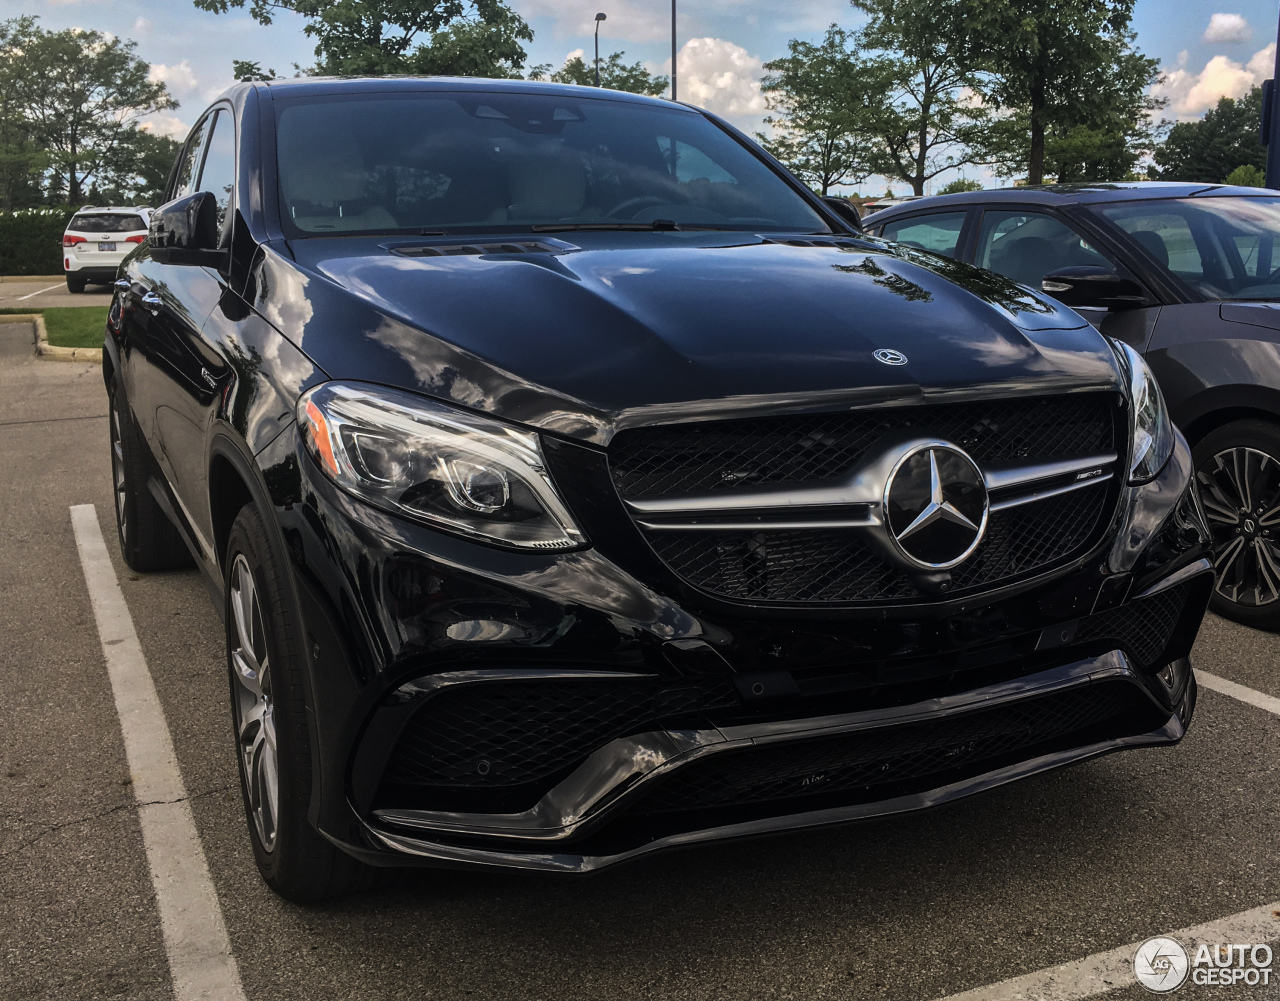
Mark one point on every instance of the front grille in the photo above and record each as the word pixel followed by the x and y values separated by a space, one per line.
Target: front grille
pixel 1141 628
pixel 724 455
pixel 834 566
pixel 867 764
pixel 523 734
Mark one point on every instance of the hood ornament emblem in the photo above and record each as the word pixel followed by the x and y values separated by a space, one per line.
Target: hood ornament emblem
pixel 936 506
pixel 888 356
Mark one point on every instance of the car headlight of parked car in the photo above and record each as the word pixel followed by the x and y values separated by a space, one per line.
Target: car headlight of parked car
pixel 434 463
pixel 1152 430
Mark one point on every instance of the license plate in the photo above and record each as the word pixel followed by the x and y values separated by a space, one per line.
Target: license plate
pixel 108 248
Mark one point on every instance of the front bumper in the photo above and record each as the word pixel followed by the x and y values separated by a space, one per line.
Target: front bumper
pixel 400 618
pixel 601 805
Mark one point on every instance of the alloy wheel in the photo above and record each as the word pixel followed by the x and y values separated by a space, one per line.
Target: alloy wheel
pixel 117 470
pixel 1240 490
pixel 254 712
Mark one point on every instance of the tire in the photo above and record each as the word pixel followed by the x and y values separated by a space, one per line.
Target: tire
pixel 1238 475
pixel 75 285
pixel 266 657
pixel 148 540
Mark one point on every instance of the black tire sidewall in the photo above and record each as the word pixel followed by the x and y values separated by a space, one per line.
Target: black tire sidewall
pixel 1265 437
pixel 295 838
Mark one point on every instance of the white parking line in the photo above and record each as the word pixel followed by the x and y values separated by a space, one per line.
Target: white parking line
pixel 41 292
pixel 1224 687
pixel 195 935
pixel 1110 971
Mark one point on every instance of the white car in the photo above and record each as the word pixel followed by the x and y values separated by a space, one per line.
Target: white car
pixel 97 240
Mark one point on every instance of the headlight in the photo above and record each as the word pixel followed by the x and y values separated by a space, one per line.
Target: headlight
pixel 436 464
pixel 1152 429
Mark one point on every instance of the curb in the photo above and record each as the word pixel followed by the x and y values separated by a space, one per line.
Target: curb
pixel 52 352
pixel 31 279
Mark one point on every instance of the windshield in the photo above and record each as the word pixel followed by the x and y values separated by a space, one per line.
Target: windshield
pixel 105 222
pixel 468 162
pixel 1225 248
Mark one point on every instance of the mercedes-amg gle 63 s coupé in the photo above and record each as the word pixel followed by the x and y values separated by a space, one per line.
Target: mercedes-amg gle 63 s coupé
pixel 575 484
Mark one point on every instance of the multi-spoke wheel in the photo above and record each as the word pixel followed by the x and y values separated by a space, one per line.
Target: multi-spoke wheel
pixel 254 714
pixel 148 539
pixel 1238 474
pixel 266 661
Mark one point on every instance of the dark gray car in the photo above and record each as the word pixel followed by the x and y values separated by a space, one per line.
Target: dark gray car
pixel 1189 274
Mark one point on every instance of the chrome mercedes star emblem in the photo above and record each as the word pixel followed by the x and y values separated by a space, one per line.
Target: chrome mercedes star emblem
pixel 936 506
pixel 889 356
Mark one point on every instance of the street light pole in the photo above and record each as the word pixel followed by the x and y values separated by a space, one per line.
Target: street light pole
pixel 599 18
pixel 673 50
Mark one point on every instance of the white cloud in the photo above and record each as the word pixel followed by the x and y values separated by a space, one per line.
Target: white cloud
pixel 650 20
pixel 1192 94
pixel 166 125
pixel 1228 28
pixel 180 78
pixel 141 25
pixel 723 78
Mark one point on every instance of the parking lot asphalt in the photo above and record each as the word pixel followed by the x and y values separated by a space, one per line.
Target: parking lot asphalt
pixel 916 907
pixel 23 294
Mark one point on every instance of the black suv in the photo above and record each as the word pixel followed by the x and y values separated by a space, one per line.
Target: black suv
pixel 1189 274
pixel 575 484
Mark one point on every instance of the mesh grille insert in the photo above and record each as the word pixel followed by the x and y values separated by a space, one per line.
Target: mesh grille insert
pixel 723 455
pixel 1141 628
pixel 860 762
pixel 506 734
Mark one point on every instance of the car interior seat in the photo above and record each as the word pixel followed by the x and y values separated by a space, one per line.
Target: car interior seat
pixel 1154 244
pixel 331 194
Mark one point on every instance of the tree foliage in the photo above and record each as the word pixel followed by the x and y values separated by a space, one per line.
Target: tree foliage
pixel 244 70
pixel 1073 89
pixel 960 185
pixel 821 98
pixel 71 106
pixel 1208 150
pixel 932 118
pixel 614 75
pixel 1247 176
pixel 374 37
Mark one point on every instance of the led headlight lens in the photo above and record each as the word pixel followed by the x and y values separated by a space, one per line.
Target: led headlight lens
pixel 434 463
pixel 1152 429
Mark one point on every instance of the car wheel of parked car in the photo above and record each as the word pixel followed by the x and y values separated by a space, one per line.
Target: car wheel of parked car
pixel 148 540
pixel 266 658
pixel 76 285
pixel 1238 470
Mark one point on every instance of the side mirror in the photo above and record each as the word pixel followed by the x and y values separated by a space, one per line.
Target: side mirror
pixel 845 209
pixel 1091 286
pixel 185 231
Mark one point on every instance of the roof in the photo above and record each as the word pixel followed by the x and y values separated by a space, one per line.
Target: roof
pixel 1081 194
pixel 312 86
pixel 118 209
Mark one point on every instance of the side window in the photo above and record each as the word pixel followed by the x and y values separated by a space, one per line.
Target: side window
pixel 189 161
pixel 219 173
pixel 1026 246
pixel 939 233
pixel 1168 237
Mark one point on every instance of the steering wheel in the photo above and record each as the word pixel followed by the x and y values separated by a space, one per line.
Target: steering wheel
pixel 633 204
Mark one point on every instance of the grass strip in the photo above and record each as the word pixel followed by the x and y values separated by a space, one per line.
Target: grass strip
pixel 71 326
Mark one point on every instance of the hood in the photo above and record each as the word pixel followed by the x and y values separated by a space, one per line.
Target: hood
pixel 585 339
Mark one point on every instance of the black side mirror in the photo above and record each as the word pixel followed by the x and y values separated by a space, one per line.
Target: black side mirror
pixel 1091 286
pixel 845 209
pixel 185 231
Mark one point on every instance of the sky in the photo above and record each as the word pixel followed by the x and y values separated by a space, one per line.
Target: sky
pixel 1207 48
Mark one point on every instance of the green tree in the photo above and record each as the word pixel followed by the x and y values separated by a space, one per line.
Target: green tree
pixel 1074 90
pixel 82 94
pixel 242 69
pixel 614 74
pixel 822 99
pixel 932 118
pixel 1247 176
pixel 960 185
pixel 371 37
pixel 1207 150
pixel 22 158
